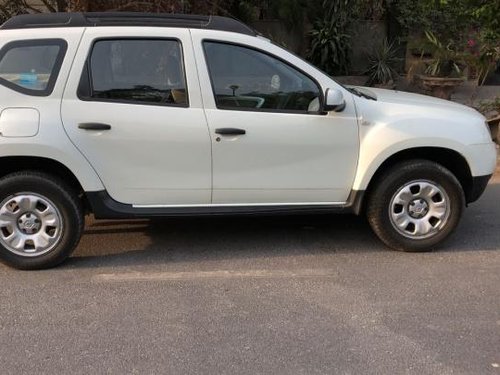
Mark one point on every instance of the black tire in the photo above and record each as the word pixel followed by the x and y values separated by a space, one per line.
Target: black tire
pixel 390 183
pixel 70 210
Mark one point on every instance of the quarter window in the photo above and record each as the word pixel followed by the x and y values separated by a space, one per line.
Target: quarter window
pixel 138 71
pixel 32 66
pixel 247 79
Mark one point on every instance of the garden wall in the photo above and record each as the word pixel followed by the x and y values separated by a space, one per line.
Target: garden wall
pixel 366 37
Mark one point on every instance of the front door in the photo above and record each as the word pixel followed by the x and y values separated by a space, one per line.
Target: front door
pixel 137 116
pixel 271 144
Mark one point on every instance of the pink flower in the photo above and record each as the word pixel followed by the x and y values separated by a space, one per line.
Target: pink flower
pixel 471 43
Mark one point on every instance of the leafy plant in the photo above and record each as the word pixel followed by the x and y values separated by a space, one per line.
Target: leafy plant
pixel 482 57
pixel 330 39
pixel 450 20
pixel 446 62
pixel 382 64
pixel 446 18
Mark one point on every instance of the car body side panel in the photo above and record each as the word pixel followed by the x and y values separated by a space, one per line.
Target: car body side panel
pixel 394 123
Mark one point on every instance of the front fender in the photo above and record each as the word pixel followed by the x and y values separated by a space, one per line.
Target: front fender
pixel 375 154
pixel 399 122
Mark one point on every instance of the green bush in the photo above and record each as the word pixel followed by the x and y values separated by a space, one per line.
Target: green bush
pixel 382 64
pixel 330 37
pixel 452 21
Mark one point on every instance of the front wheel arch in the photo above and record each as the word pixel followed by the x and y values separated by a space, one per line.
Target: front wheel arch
pixel 448 158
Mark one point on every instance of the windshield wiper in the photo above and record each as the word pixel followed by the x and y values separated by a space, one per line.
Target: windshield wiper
pixel 360 93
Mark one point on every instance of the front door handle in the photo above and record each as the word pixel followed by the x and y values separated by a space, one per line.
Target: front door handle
pixel 230 131
pixel 94 126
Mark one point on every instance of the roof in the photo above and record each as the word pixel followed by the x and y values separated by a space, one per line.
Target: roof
pixel 90 19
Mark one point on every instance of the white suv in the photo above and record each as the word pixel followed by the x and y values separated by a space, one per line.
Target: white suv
pixel 136 115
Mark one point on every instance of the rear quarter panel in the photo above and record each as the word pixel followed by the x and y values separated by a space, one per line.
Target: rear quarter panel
pixel 51 140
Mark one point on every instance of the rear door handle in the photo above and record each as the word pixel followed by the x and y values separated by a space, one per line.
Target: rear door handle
pixel 230 131
pixel 94 126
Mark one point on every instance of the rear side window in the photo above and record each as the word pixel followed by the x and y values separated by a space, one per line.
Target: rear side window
pixel 141 71
pixel 32 66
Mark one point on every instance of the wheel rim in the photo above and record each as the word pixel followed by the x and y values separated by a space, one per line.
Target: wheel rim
pixel 30 224
pixel 420 209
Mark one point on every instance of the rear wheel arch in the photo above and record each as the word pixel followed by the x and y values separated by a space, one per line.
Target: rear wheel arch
pixel 13 164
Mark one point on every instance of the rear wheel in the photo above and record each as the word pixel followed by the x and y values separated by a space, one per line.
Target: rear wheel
pixel 41 220
pixel 415 206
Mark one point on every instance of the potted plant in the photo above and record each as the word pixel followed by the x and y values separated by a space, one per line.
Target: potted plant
pixel 443 71
pixel 381 66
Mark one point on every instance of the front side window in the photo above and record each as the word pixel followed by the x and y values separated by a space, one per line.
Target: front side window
pixel 137 71
pixel 243 78
pixel 31 67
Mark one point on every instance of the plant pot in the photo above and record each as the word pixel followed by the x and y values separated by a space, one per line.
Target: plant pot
pixel 441 87
pixel 417 52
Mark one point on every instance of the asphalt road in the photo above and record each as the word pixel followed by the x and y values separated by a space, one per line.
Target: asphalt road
pixel 302 295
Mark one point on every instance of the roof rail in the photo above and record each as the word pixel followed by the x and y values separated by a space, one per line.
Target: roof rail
pixel 95 19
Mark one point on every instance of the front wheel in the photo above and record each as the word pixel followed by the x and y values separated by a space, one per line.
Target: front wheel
pixel 415 206
pixel 41 220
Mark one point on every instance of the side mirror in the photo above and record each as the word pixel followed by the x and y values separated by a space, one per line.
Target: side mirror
pixel 334 100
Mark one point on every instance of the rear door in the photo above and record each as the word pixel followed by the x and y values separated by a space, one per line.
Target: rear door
pixel 132 106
